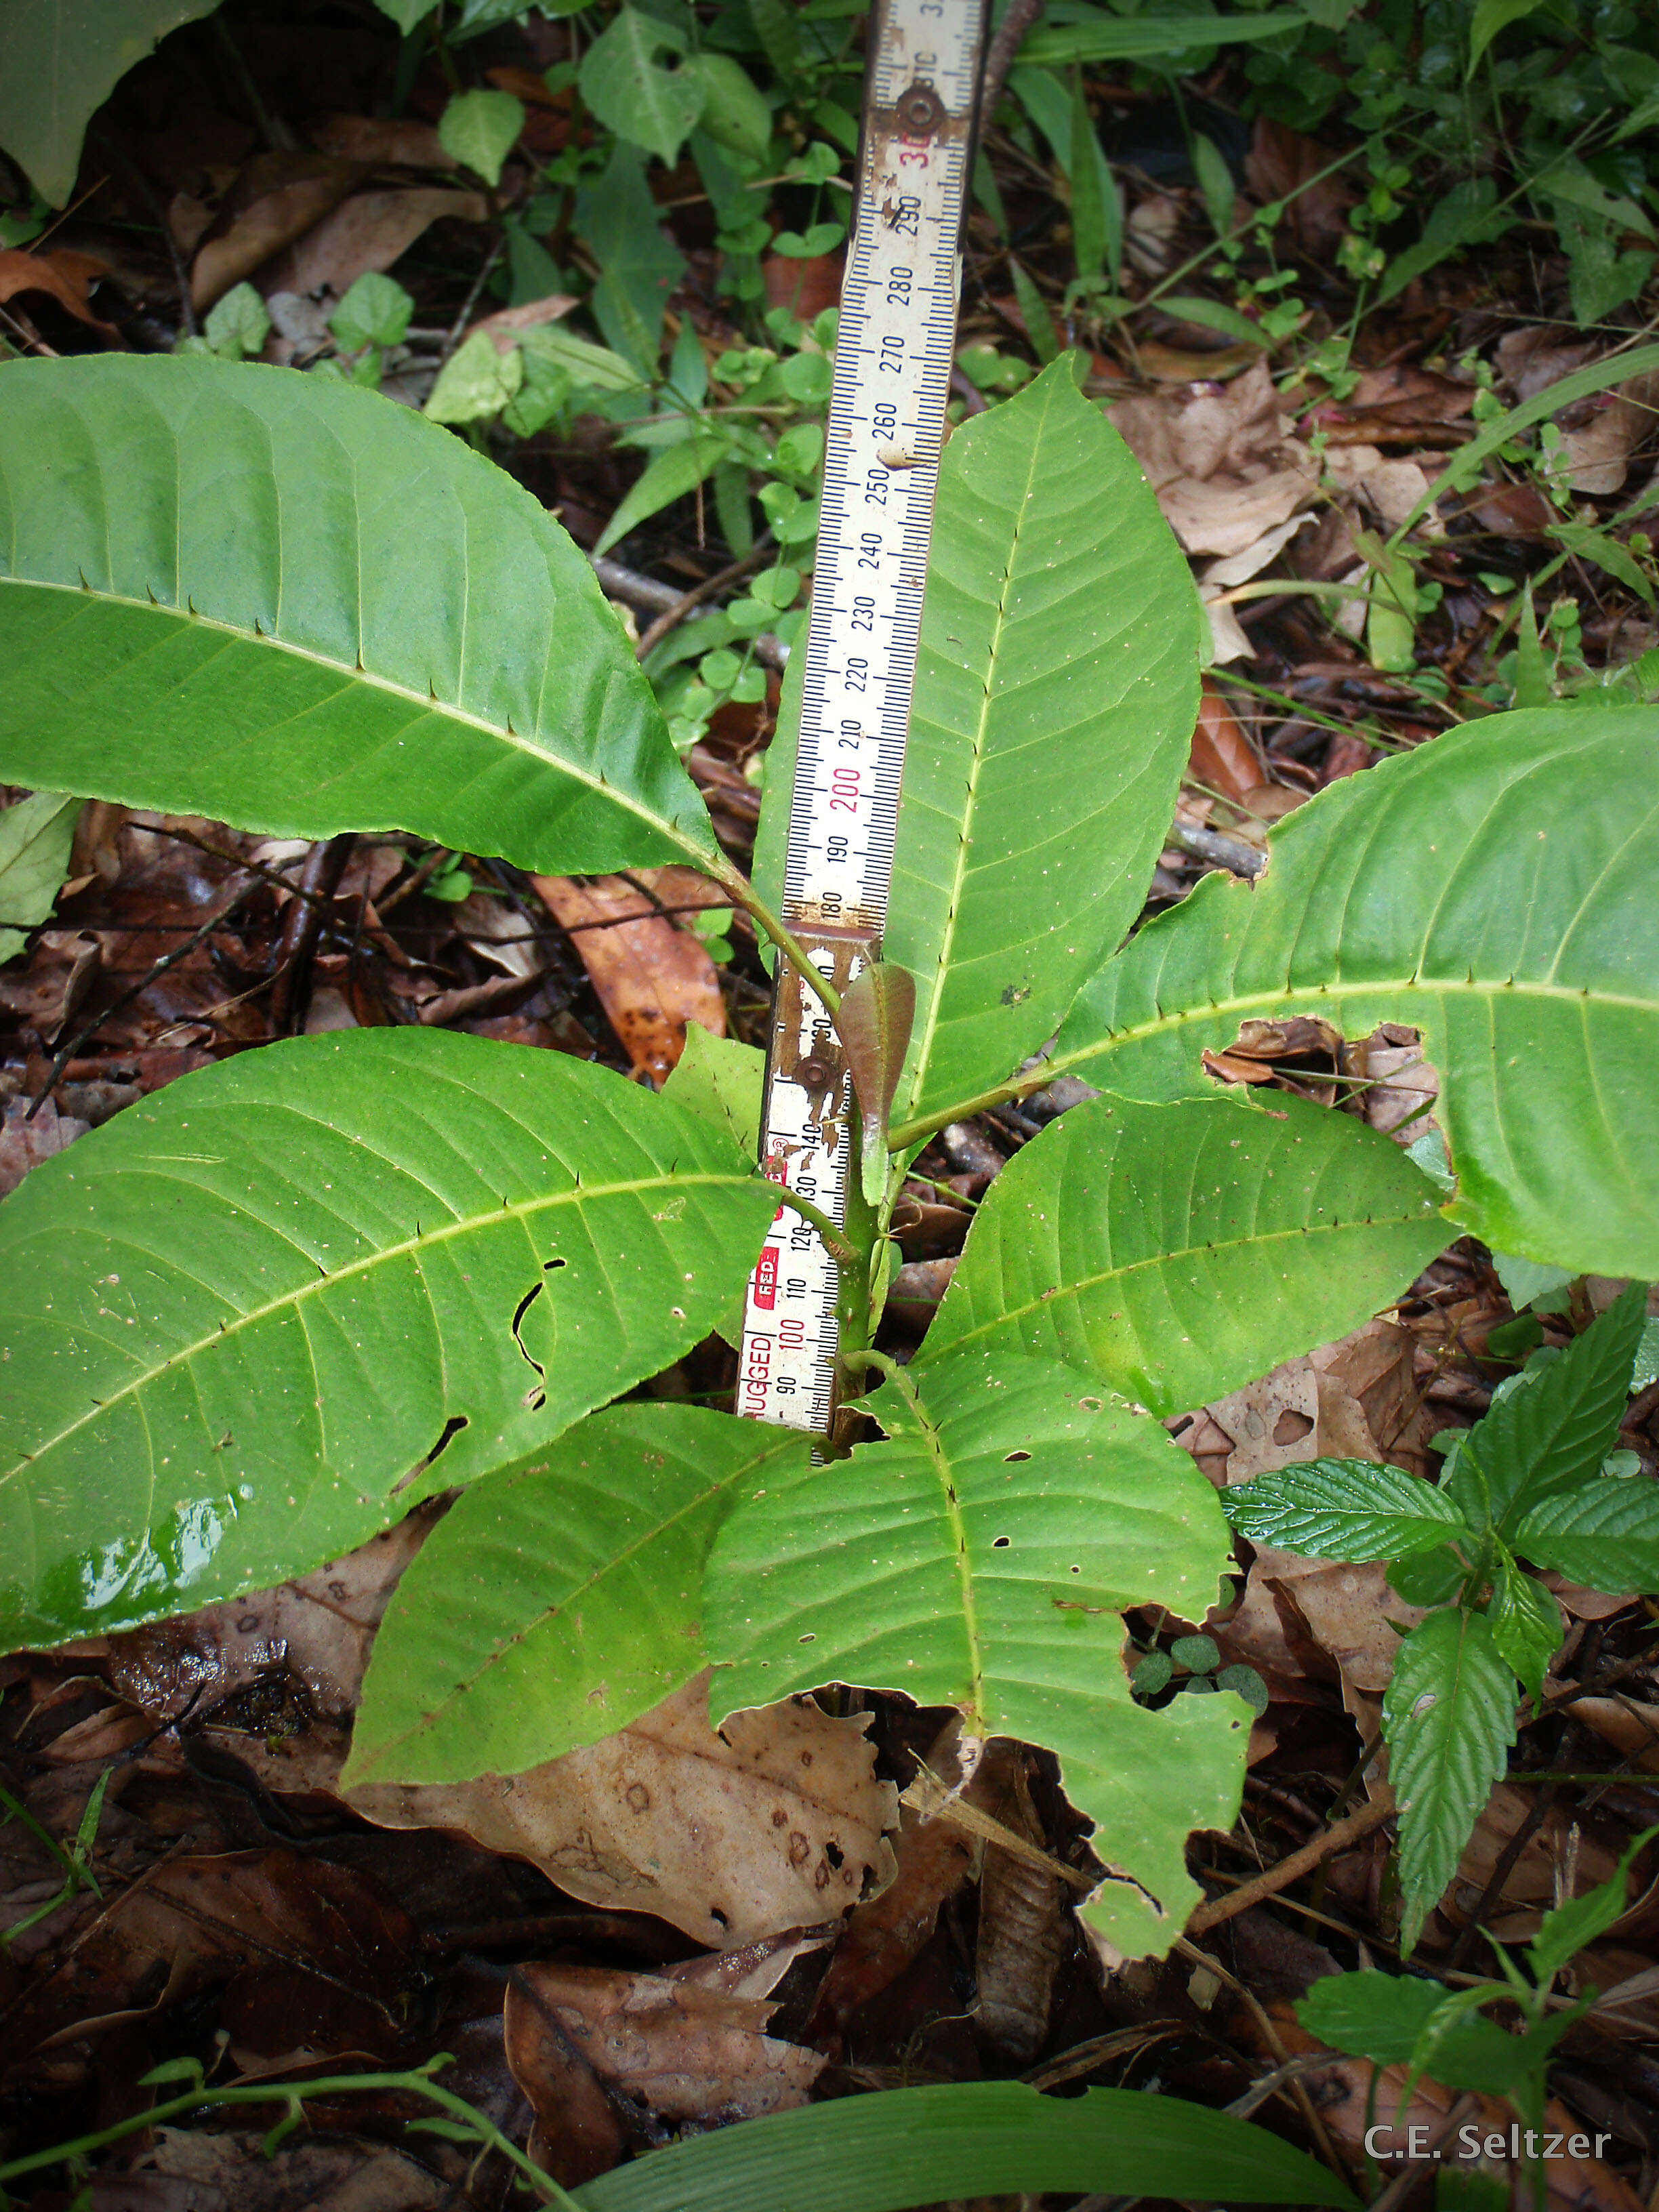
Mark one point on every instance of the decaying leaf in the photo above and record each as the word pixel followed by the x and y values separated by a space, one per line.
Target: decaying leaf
pixel 1222 464
pixel 776 1821
pixel 602 2056
pixel 652 977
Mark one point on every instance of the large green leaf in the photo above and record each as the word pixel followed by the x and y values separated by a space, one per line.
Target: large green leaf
pixel 63 59
pixel 560 1599
pixel 1495 891
pixel 1177 1251
pixel 36 836
pixel 1056 694
pixel 967 2139
pixel 981 1557
pixel 256 1317
pixel 1449 1720
pixel 291 604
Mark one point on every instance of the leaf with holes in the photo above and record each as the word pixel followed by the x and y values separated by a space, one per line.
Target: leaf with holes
pixel 1343 1509
pixel 292 605
pixel 1494 891
pixel 260 1315
pixel 1056 692
pixel 1449 1720
pixel 559 1599
pixel 981 1557
pixel 1177 1251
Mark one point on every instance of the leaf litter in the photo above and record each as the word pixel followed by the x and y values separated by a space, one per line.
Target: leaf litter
pixel 631 1939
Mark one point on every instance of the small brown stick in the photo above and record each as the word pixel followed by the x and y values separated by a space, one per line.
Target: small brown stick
pixel 159 968
pixel 618 582
pixel 671 617
pixel 325 864
pixel 1292 1869
pixel 1000 56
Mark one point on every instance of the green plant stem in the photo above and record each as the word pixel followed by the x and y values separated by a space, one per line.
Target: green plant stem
pixel 841 1249
pixel 744 895
pixel 292 2094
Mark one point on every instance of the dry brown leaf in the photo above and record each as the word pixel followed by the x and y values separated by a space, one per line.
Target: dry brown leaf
pixel 1024 1916
pixel 935 1858
pixel 317 1629
pixel 1392 488
pixel 1223 757
pixel 370 231
pixel 189 2170
pixel 588 2044
pixel 505 323
pixel 775 1822
pixel 400 141
pixel 277 198
pixel 651 975
pixel 806 287
pixel 1356 1399
pixel 24 1143
pixel 64 275
pixel 1282 165
pixel 1631 1728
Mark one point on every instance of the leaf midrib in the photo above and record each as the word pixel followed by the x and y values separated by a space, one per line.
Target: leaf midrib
pixel 698 853
pixel 1520 986
pixel 1074 1289
pixel 422 1241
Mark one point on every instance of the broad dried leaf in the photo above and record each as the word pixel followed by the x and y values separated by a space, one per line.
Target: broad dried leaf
pixel 261 1314
pixel 560 1599
pixel 64 275
pixel 776 1821
pixel 670 2048
pixel 1177 1250
pixel 978 1557
pixel 651 977
pixel 1489 890
pixel 235 590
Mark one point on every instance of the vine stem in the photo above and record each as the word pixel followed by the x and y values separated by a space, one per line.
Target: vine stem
pixel 292 2094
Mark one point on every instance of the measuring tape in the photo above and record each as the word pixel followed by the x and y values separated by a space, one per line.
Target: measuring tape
pixel 895 338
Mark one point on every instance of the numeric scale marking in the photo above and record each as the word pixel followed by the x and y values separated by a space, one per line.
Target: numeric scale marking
pixel 892 376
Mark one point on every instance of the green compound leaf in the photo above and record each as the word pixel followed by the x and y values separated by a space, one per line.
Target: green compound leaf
pixel 1605 1535
pixel 909 2147
pixel 293 604
pixel 1551 1431
pixel 1526 1622
pixel 1343 1509
pixel 981 1557
pixel 1056 693
pixel 1494 890
pixel 63 60
pixel 559 1599
pixel 1447 1720
pixel 1177 1251
pixel 259 1316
